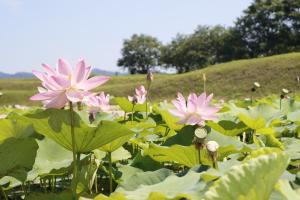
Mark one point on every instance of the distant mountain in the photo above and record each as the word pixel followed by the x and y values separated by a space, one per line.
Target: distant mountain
pixel 16 75
pixel 30 75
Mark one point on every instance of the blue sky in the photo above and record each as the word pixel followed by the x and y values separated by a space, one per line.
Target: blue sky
pixel 34 31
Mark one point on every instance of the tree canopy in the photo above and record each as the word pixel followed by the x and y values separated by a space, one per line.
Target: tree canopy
pixel 267 27
pixel 140 53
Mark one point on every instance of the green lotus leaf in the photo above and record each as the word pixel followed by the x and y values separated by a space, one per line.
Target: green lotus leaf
pixel 16 126
pixel 17 157
pixel 285 191
pixel 50 157
pixel 115 144
pixel 292 147
pixel 294 116
pixel 254 179
pixel 55 124
pixel 145 178
pixel 223 167
pixel 128 106
pixel 145 162
pixel 116 155
pixel 8 182
pixel 184 155
pixel 254 124
pixel 169 119
pixel 261 151
pixel 162 183
pixel 227 127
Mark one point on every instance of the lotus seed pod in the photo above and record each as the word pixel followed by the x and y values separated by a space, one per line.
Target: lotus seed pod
pixel 256 84
pixel 199 138
pixel 3 116
pixel 285 91
pixel 212 148
pixel 247 99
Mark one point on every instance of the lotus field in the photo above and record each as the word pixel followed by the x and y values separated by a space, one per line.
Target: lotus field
pixel 84 144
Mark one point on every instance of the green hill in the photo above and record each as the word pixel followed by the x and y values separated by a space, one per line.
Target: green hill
pixel 227 80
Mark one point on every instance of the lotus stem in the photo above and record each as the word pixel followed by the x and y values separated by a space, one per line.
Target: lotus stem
pixel 132 114
pixel 199 156
pixel 146 106
pixel 96 183
pixel 110 172
pixel 75 169
pixel 215 165
pixel 280 102
pixel 148 92
pixel 4 194
pixel 204 82
pixel 78 161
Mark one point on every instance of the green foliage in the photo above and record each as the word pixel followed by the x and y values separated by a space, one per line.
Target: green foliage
pixel 55 124
pixel 140 53
pixel 269 27
pixel 153 158
pixel 153 185
pixel 228 127
pixel 128 106
pixel 51 159
pixel 220 79
pixel 17 157
pixel 253 179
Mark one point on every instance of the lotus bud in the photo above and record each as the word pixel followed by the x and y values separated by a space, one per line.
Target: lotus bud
pixel 199 138
pixel 92 117
pixel 212 149
pixel 79 106
pixel 134 100
pixel 149 77
pixel 256 84
pixel 298 79
pixel 204 77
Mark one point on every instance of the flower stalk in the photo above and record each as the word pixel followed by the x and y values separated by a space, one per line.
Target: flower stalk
pixel 204 82
pixel 199 141
pixel 75 162
pixel 149 80
pixel 110 172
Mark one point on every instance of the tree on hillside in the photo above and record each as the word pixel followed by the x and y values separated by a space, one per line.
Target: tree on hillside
pixel 140 53
pixel 270 27
pixel 207 45
pixel 187 52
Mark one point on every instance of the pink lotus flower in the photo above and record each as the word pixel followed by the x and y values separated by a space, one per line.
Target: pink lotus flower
pixel 63 84
pixel 97 103
pixel 195 110
pixel 140 95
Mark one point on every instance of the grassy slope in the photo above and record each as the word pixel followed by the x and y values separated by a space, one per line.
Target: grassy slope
pixel 227 80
